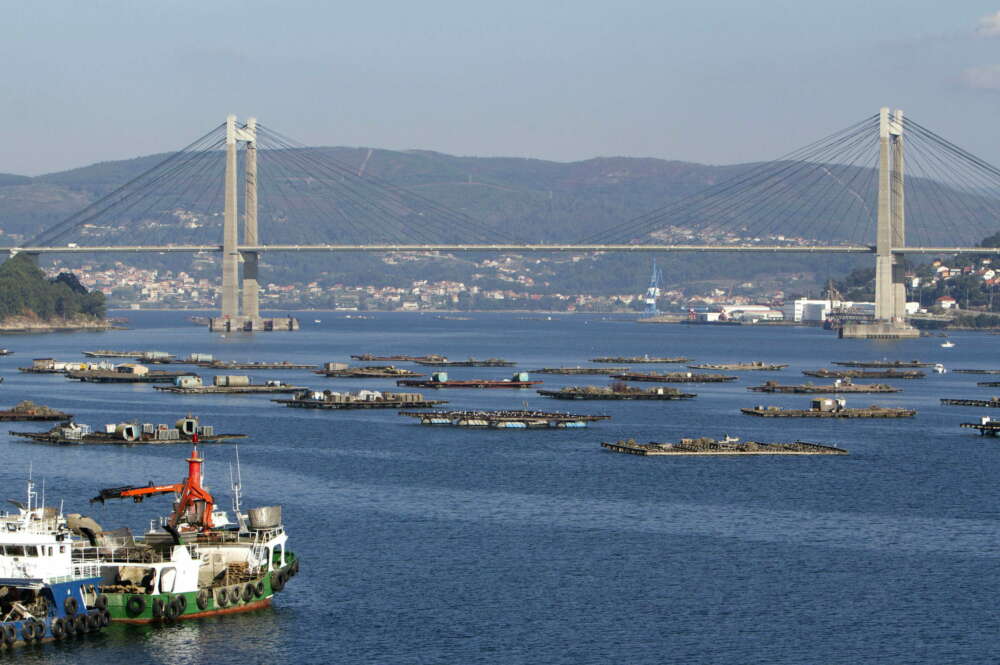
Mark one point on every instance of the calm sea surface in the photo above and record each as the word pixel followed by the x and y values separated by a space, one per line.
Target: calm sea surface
pixel 424 545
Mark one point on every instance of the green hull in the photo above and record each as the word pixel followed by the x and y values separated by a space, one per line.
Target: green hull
pixel 208 601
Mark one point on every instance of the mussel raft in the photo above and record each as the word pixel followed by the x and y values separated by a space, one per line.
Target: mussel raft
pixel 839 386
pixel 636 360
pixel 727 446
pixel 342 370
pixel 829 408
pixel 863 374
pixel 505 419
pixel 185 430
pixel 673 377
pixel 620 392
pixel 753 366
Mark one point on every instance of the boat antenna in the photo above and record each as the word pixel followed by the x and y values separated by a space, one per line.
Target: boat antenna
pixel 237 486
pixel 43 492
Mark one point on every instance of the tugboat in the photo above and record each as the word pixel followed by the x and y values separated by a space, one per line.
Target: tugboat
pixel 196 563
pixel 46 593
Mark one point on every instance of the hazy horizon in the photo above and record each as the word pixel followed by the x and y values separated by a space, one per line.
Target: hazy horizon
pixel 720 83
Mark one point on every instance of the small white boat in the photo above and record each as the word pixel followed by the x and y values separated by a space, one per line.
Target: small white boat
pixel 947 345
pixel 939 369
pixel 317 321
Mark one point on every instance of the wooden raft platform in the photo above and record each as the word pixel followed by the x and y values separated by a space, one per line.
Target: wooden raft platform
pixel 636 360
pixel 230 390
pixel 754 366
pixel 870 412
pixel 505 419
pixel 862 374
pixel 993 402
pixel 976 371
pixel 582 371
pixel 985 429
pixel 727 446
pixel 808 388
pixel 674 377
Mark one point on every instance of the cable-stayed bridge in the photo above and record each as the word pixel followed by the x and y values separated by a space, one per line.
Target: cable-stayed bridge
pixel 860 190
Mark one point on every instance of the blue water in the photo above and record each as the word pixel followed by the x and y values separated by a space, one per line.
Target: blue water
pixel 424 545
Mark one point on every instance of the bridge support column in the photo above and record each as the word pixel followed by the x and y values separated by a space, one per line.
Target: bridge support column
pixel 251 300
pixel 890 276
pixel 230 254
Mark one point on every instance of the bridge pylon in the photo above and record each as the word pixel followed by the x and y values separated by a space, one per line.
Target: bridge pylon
pixel 233 318
pixel 890 275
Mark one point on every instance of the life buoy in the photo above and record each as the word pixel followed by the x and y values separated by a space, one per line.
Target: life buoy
pixel 201 600
pixel 102 602
pixel 258 588
pixel 158 606
pixel 222 598
pixel 170 610
pixel 58 628
pixel 248 593
pixel 9 634
pixel 71 605
pixel 182 603
pixel 135 605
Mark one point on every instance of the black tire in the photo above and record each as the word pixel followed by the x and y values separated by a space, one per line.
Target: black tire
pixel 69 624
pixel 135 606
pixel 201 600
pixel 182 603
pixel 71 605
pixel 105 618
pixel 157 607
pixel 222 598
pixel 258 588
pixel 234 595
pixel 39 630
pixel 102 602
pixel 278 580
pixel 294 568
pixel 58 628
pixel 248 593
pixel 81 624
pixel 93 621
pixel 28 628
pixel 171 611
pixel 9 634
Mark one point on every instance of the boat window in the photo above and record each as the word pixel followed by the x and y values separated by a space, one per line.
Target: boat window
pixel 62 549
pixel 14 550
pixel 167 578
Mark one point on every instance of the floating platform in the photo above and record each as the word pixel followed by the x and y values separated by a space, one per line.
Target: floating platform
pixel 230 390
pixel 863 374
pixel 839 386
pixel 186 430
pixel 511 419
pixel 616 393
pixel 112 376
pixel 993 402
pixel 895 364
pixel 29 411
pixel 727 446
pixel 976 371
pixel 440 380
pixel 369 357
pixel 261 364
pixel 471 362
pixel 986 427
pixel 988 384
pixel 829 408
pixel 582 371
pixel 756 365
pixel 635 360
pixel 674 377
pixel 365 399
pixel 367 372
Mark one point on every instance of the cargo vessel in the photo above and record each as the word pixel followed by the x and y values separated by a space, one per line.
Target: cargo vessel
pixel 46 592
pixel 727 446
pixel 838 386
pixel 829 408
pixel 825 373
pixel 755 365
pixel 195 562
pixel 185 430
pixel 363 399
pixel 635 360
pixel 440 380
pixel 895 364
pixel 506 419
pixel 617 391
pixel 227 385
pixel 674 377
pixel 28 411
pixel 343 370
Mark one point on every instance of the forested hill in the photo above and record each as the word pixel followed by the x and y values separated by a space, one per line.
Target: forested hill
pixel 26 293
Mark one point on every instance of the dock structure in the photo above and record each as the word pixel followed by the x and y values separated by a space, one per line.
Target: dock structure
pixel 992 402
pixel 506 419
pixel 726 446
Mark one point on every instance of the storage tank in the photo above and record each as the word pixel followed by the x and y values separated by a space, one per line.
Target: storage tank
pixel 128 431
pixel 439 377
pixel 187 426
pixel 188 382
pixel 329 366
pixel 265 517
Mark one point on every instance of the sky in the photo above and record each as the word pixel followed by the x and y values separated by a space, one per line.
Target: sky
pixel 711 81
